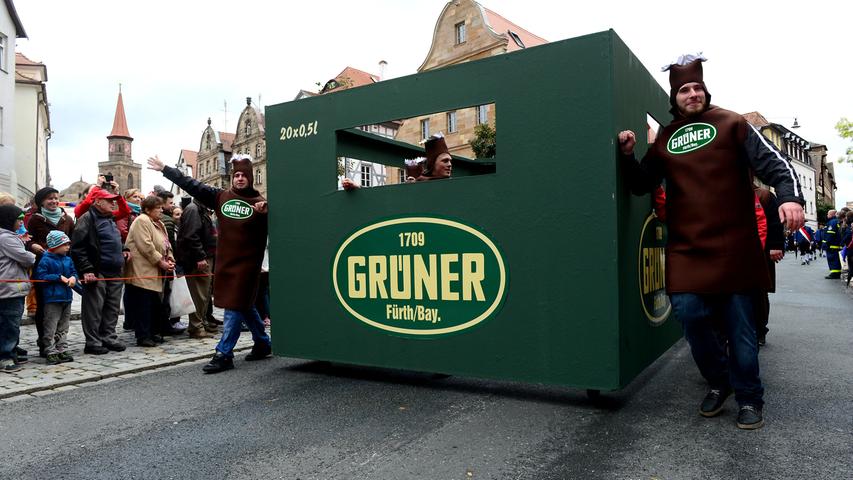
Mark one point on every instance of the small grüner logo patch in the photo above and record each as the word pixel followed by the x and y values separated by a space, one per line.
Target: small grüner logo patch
pixel 691 137
pixel 237 209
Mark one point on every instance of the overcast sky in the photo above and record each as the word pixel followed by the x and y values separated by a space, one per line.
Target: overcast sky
pixel 180 61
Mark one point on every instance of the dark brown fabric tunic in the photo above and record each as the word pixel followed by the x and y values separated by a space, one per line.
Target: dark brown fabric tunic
pixel 713 245
pixel 241 243
pixel 239 253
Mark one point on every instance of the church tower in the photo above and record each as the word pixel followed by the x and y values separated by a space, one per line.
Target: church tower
pixel 120 162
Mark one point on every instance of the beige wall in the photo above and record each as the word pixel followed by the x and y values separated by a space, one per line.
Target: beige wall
pixel 252 143
pixel 457 142
pixel 480 42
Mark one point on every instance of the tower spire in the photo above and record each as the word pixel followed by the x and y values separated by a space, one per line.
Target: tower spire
pixel 120 122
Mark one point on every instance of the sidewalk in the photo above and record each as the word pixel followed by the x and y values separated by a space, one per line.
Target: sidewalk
pixel 36 376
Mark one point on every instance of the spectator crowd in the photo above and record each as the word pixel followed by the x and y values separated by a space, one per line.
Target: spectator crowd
pixel 116 252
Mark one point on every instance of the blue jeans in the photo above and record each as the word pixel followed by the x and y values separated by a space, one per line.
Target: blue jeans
pixel 11 311
pixel 709 322
pixel 231 330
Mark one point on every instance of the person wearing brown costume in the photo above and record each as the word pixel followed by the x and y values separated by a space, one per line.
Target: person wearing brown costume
pixel 774 251
pixel 242 215
pixel 438 163
pixel 714 258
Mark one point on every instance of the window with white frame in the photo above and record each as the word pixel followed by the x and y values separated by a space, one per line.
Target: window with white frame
pixel 248 127
pixel 257 151
pixel 425 128
pixel 482 114
pixel 461 34
pixel 365 175
pixel 3 52
pixel 258 179
pixel 451 122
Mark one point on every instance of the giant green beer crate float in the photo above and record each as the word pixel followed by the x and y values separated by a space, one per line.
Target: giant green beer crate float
pixel 535 266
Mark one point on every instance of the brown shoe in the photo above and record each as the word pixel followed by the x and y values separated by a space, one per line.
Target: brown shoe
pixel 211 329
pixel 200 334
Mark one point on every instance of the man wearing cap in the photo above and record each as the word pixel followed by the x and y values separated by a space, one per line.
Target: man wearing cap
pixel 242 215
pixel 98 253
pixel 714 259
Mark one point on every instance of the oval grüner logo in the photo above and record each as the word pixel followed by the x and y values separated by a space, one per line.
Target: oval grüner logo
pixel 419 276
pixel 652 269
pixel 691 137
pixel 237 209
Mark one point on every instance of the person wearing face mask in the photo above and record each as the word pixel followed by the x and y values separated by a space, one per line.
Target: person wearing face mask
pixel 46 217
pixel 242 218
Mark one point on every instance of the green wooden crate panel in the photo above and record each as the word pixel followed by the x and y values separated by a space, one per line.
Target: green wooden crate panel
pixel 550 208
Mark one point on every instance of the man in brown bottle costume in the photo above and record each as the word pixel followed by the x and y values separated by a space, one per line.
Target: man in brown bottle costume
pixel 714 259
pixel 242 215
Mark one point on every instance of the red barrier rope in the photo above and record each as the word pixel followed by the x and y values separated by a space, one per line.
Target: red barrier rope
pixel 112 278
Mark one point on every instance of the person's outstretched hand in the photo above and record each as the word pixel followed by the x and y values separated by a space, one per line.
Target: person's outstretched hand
pixel 155 164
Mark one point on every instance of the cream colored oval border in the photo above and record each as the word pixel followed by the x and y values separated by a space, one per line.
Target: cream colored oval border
pixel 440 221
pixel 659 320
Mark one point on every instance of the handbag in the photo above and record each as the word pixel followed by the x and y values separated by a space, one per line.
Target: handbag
pixel 180 300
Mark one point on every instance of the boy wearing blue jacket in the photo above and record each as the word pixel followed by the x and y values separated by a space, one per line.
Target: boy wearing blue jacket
pixel 58 270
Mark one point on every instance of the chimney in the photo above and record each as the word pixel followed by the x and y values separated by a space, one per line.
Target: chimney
pixel 382 65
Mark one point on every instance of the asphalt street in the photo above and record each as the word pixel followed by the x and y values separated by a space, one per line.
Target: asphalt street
pixel 295 419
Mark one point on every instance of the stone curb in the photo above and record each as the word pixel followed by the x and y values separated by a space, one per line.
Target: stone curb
pixel 118 373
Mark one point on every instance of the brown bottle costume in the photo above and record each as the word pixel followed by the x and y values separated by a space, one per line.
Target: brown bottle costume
pixel 242 237
pixel 714 259
pixel 713 245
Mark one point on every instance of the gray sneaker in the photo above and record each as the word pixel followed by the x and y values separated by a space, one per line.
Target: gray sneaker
pixel 9 366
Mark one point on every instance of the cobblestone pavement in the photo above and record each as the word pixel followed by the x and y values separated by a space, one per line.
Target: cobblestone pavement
pixel 37 377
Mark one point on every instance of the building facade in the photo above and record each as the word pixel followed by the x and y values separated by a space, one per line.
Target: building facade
pixel 362 172
pixel 796 149
pixel 249 140
pixel 32 126
pixel 188 165
pixel 120 164
pixel 825 175
pixel 464 31
pixel 10 29
pixel 214 154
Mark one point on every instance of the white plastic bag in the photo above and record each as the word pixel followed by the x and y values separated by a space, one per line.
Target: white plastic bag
pixel 180 300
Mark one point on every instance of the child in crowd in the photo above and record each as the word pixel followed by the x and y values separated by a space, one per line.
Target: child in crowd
pixel 15 260
pixel 57 268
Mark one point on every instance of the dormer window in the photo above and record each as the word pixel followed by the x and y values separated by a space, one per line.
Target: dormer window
pixel 516 38
pixel 461 34
pixel 248 127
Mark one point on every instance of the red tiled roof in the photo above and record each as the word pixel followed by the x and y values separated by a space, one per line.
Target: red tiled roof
pixel 502 26
pixel 756 119
pixel 227 139
pixel 351 78
pixel 190 156
pixel 120 122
